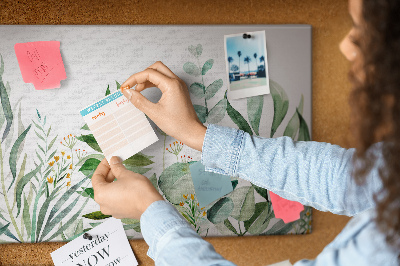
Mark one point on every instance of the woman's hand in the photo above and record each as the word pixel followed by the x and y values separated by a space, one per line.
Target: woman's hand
pixel 174 112
pixel 128 197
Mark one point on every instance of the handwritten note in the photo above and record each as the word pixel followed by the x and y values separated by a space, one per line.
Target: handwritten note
pixel 108 246
pixel 41 63
pixel 207 185
pixel 118 126
pixel 284 209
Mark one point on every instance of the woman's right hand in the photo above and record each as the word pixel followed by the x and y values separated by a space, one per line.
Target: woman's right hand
pixel 173 113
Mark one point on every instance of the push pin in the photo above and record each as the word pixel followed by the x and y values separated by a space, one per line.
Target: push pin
pixel 87 236
pixel 246 36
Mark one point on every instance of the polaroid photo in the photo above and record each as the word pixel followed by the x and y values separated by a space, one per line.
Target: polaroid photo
pixel 247 64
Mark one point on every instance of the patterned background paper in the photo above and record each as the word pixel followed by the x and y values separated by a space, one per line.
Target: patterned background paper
pixel 48 154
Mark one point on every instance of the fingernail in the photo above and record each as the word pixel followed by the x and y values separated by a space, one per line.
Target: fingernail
pixel 124 88
pixel 115 160
pixel 128 94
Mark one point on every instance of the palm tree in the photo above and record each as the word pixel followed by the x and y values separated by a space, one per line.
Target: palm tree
pixel 230 60
pixel 255 57
pixel 247 60
pixel 239 54
pixel 262 60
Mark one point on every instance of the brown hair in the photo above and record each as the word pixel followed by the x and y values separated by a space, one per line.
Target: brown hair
pixel 375 103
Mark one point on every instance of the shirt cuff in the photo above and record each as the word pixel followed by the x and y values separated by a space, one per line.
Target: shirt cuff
pixel 222 147
pixel 159 218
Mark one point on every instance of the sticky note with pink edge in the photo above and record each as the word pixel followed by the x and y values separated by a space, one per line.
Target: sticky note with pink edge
pixel 41 63
pixel 284 209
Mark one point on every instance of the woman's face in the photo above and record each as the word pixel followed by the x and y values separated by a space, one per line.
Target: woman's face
pixel 347 46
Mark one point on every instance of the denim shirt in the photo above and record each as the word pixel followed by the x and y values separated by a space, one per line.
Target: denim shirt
pixel 312 173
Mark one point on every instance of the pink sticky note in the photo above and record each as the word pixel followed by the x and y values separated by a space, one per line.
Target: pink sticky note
pixel 41 63
pixel 284 209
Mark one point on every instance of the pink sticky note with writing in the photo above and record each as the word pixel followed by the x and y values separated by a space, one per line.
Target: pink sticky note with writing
pixel 284 209
pixel 41 63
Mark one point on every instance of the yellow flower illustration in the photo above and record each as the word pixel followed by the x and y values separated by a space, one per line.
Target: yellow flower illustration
pixel 185 196
pixel 68 175
pixel 70 167
pixel 56 158
pixel 202 208
pixel 62 153
pixel 50 179
pixel 51 163
pixel 68 156
pixel 68 183
pixel 198 204
pixel 204 213
pixel 191 196
pixel 181 203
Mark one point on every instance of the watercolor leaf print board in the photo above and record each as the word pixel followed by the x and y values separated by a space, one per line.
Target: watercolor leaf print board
pixel 48 154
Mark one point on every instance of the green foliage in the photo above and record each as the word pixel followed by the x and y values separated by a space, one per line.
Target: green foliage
pixel 244 203
pixel 14 155
pixel 201 112
pixel 238 119
pixel 259 221
pixel 191 69
pixel 281 105
pixel 220 211
pixel 98 215
pixel 213 88
pixel 176 181
pixel 5 102
pixel 304 133
pixel 207 66
pixel 262 191
pixel 197 89
pixel 293 126
pixel 254 111
pixel 217 113
pixel 91 141
pixel 108 92
pixel 89 166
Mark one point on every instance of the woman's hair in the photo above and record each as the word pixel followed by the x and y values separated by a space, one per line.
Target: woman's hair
pixel 375 103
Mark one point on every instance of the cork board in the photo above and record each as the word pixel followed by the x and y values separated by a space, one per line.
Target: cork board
pixel 330 91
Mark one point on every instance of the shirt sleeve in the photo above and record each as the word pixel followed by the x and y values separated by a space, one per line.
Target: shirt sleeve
pixel 313 173
pixel 172 241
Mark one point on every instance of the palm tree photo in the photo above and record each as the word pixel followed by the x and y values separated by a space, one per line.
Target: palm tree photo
pixel 247 60
pixel 239 54
pixel 255 57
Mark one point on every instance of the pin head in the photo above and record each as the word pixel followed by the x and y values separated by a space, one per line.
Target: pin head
pixel 246 36
pixel 87 236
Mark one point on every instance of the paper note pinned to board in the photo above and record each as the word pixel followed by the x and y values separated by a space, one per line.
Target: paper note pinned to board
pixel 118 126
pixel 41 63
pixel 207 185
pixel 284 209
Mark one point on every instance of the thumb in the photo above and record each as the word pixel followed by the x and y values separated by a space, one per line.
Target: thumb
pixel 138 100
pixel 117 167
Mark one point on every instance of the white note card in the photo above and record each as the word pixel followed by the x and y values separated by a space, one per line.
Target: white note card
pixel 109 246
pixel 118 126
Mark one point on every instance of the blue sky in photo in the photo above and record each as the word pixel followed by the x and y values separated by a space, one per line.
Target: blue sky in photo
pixel 248 47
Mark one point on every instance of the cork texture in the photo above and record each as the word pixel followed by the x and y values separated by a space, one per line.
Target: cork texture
pixel 331 112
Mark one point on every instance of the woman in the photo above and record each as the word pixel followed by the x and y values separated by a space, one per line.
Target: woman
pixel 360 182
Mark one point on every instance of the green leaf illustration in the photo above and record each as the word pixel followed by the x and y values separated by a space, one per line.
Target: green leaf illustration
pixel 294 124
pixel 118 85
pixel 254 110
pixel 90 192
pixel 238 119
pixel 21 184
pixel 96 215
pixel 89 166
pixel 207 66
pixel 175 181
pixel 220 210
pixel 229 225
pixel 260 219
pixel 304 133
pixel 26 217
pixel 281 105
pixel 234 183
pixel 244 202
pixel 280 228
pixel 217 113
pixel 191 69
pixel 139 159
pixel 4 228
pixel 195 50
pixel 213 88
pixel 13 155
pixel 201 112
pixel 131 224
pixel 108 92
pixel 5 102
pixel 68 223
pixel 21 174
pixel 85 127
pixel 197 89
pixel 262 191
pixel 91 141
